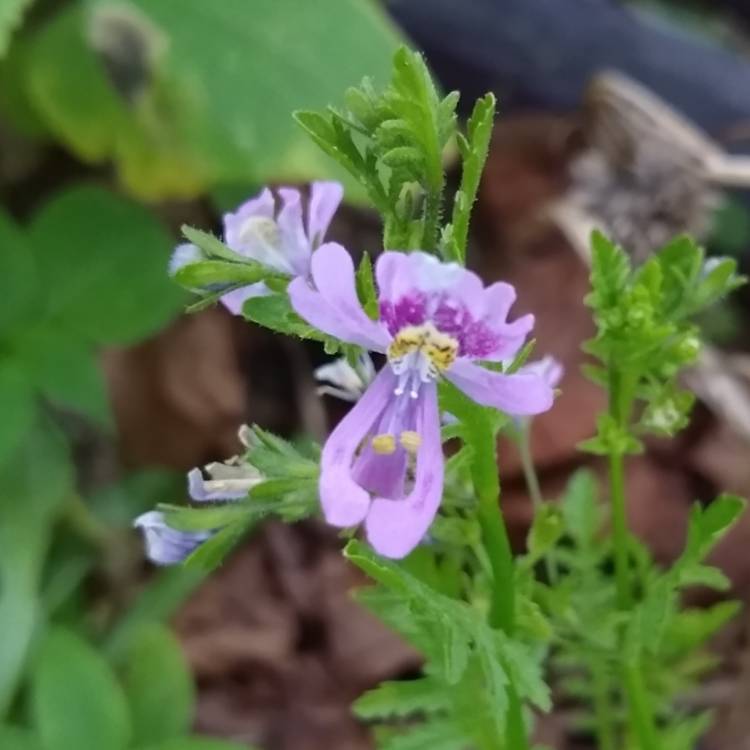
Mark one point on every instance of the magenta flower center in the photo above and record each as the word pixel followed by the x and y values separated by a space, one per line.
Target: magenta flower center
pixel 450 317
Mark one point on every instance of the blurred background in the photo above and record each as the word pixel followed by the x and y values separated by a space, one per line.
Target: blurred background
pixel 120 121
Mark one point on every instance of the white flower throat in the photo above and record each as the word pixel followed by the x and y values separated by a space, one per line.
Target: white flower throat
pixel 263 236
pixel 418 354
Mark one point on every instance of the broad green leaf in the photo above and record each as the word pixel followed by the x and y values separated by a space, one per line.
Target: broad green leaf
pixel 34 482
pixel 197 743
pixel 161 129
pixel 11 16
pixel 76 700
pixel 168 589
pixel 158 685
pixel 17 267
pixel 17 405
pixel 15 738
pixel 103 263
pixel 65 371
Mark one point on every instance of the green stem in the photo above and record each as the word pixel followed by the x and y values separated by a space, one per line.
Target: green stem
pixel 534 489
pixel 84 523
pixel 640 716
pixel 605 723
pixel 620 530
pixel 432 205
pixel 497 545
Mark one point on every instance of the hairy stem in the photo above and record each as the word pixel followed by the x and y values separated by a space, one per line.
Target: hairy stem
pixel 431 220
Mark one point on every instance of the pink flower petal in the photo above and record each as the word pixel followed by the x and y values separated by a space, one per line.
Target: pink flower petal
pixel 325 198
pixel 344 502
pixel 518 394
pixel 395 527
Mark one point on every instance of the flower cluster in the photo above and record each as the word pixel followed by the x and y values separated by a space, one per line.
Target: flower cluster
pixel 229 481
pixel 277 231
pixel 382 466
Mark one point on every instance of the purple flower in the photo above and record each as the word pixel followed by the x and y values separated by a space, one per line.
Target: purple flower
pixel 165 545
pixel 383 463
pixel 548 368
pixel 275 236
pixel 229 481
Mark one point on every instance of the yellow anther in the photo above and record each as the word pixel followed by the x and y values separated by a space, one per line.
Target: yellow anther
pixel 410 441
pixel 438 347
pixel 384 444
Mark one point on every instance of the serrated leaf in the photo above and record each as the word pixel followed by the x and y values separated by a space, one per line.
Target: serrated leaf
pixel 402 698
pixel 546 529
pixel 438 734
pixel 474 149
pixel 708 524
pixel 580 509
pixel 76 700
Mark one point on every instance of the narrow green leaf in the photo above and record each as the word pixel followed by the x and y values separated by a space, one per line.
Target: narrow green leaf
pixel 474 153
pixel 205 273
pixel 212 552
pixel 366 290
pixel 211 245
